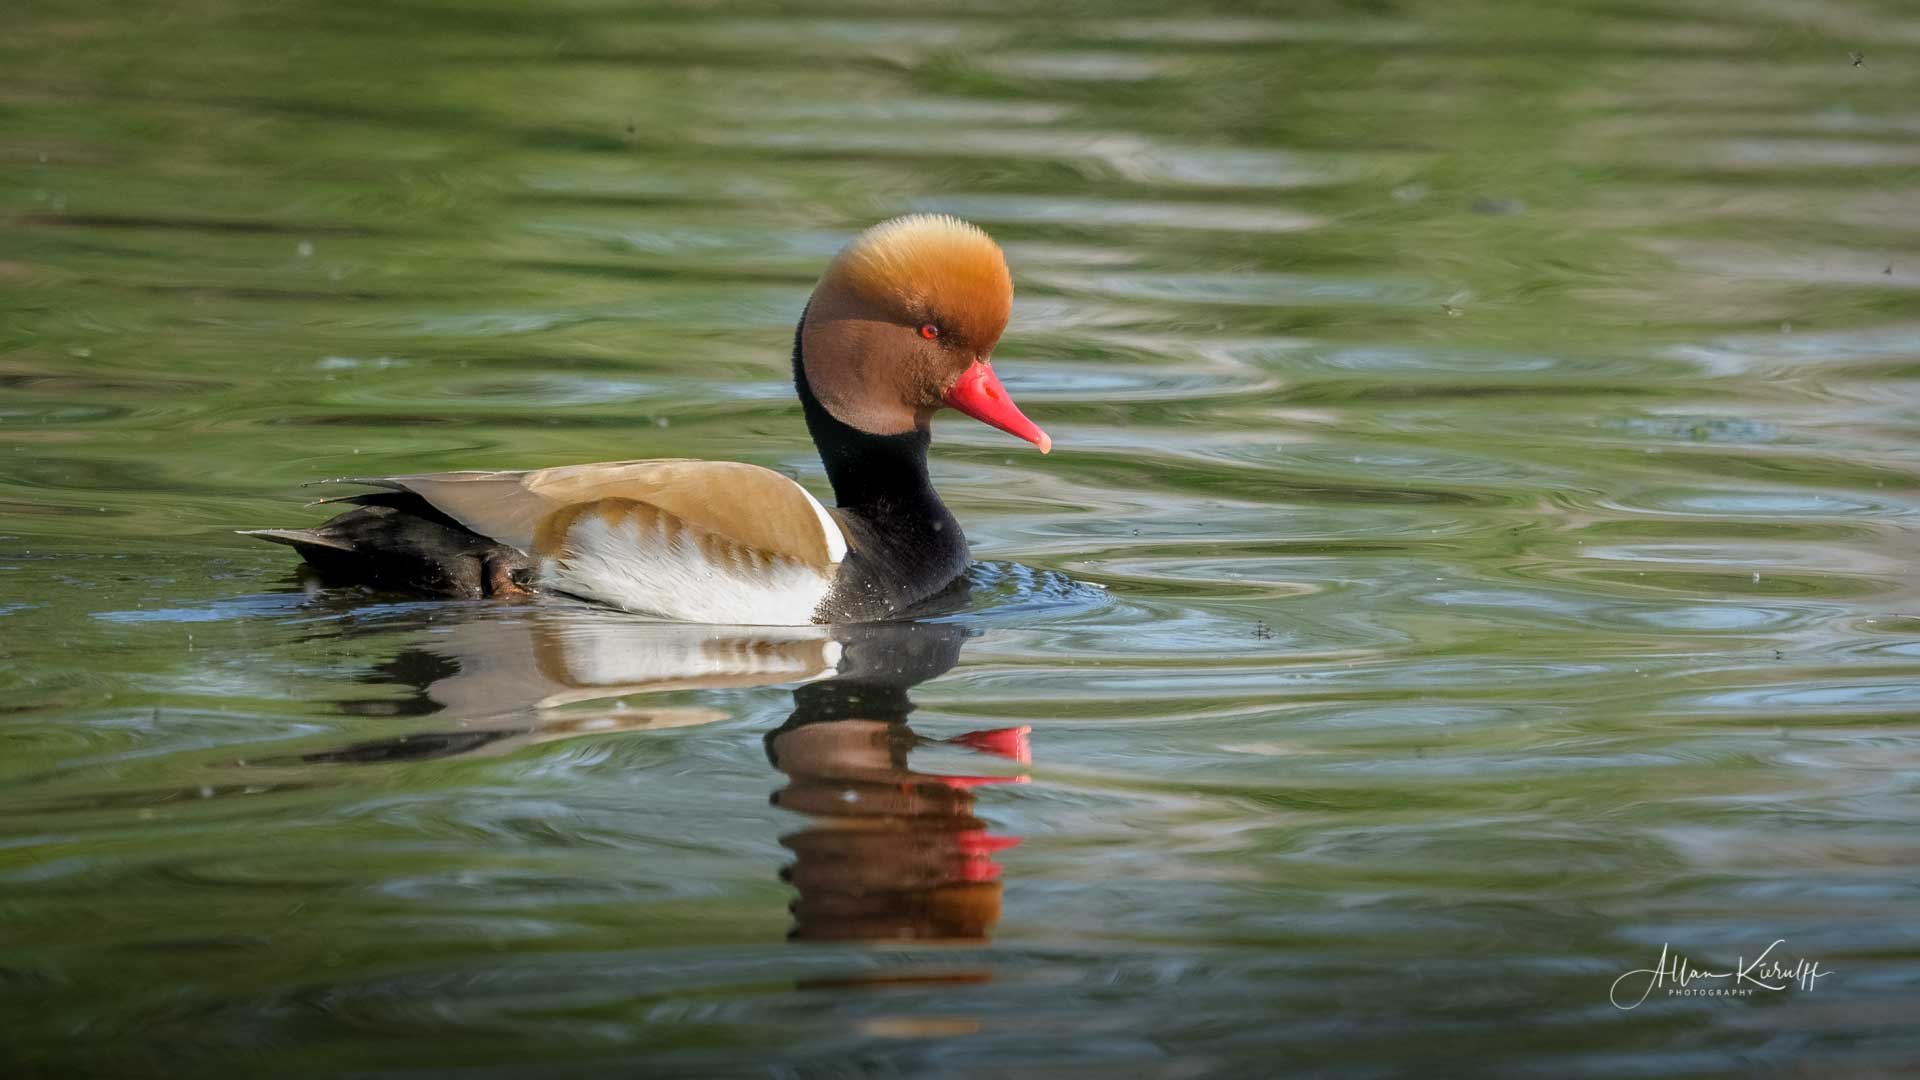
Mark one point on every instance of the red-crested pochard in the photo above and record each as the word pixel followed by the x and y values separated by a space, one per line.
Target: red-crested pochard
pixel 903 322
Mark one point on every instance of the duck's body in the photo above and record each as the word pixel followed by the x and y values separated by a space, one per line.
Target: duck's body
pixel 903 322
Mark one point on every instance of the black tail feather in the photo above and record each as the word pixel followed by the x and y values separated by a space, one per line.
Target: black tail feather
pixel 396 540
pixel 298 538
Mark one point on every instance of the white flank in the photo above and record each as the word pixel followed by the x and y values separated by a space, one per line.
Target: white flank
pixel 662 571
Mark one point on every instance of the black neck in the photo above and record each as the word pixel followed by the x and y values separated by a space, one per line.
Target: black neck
pixel 870 474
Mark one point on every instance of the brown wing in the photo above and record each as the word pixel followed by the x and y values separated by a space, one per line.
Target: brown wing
pixel 753 507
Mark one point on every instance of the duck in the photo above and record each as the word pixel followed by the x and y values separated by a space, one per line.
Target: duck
pixel 902 323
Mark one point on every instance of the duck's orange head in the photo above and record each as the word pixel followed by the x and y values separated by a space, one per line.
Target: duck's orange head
pixel 904 321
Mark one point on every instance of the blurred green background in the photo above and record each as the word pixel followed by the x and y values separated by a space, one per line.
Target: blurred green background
pixel 1479 548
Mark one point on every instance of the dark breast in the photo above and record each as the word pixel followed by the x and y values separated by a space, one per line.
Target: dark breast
pixel 900 561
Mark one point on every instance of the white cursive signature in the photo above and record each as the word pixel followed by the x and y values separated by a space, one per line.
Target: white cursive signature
pixel 1763 973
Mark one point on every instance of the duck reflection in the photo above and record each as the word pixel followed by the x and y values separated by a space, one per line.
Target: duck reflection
pixel 888 852
pixel 558 672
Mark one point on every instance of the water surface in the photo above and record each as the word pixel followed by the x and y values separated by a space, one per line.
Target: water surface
pixel 1479 548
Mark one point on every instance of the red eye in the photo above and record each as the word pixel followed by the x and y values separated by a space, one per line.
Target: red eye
pixel 929 331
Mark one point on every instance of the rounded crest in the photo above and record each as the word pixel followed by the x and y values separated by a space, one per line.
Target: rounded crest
pixel 931 268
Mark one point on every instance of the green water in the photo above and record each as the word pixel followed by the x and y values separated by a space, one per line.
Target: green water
pixel 1479 548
